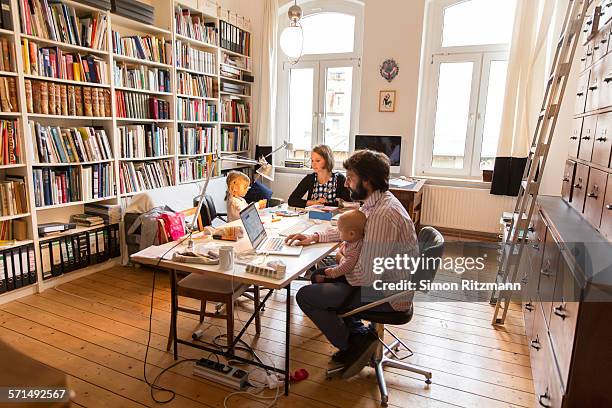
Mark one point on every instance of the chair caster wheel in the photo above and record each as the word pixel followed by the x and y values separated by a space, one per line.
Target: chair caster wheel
pixel 428 381
pixel 384 401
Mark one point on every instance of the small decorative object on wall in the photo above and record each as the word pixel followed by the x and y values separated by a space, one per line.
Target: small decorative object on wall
pixel 389 69
pixel 386 101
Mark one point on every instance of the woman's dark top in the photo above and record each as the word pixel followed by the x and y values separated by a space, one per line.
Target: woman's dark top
pixel 331 190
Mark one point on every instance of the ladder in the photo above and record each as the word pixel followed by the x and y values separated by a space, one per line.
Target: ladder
pixel 513 247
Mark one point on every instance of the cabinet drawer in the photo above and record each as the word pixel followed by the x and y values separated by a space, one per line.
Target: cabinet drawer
pixel 563 318
pixel 539 352
pixel 417 200
pixel 580 185
pixel 595 195
pixel 548 275
pixel 600 43
pixel 606 216
pixel 535 244
pixel 574 139
pixel 587 137
pixel 594 86
pixel 581 92
pixel 553 391
pixel 605 83
pixel 602 145
pixel 568 180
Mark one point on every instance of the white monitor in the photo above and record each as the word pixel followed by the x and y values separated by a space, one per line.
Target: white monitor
pixel 389 145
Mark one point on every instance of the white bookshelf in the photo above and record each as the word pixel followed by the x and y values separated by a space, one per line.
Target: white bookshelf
pixel 164 26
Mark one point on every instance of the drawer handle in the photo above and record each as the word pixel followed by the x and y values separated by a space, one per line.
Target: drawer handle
pixel 592 194
pixel 536 247
pixel 609 207
pixel 593 87
pixel 601 139
pixel 586 137
pixel 546 272
pixel 559 312
pixel 531 229
pixel 578 186
pixel 529 307
pixel 544 397
pixel 608 79
pixel 583 59
pixel 595 48
pixel 536 344
pixel 565 179
pixel 574 138
pixel 580 94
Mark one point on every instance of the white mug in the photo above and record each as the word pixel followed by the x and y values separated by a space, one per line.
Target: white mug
pixel 226 257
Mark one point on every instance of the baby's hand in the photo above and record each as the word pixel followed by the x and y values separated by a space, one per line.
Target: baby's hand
pixel 328 272
pixel 339 257
pixel 319 278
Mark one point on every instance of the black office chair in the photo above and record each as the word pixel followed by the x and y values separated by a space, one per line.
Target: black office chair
pixel 209 213
pixel 431 245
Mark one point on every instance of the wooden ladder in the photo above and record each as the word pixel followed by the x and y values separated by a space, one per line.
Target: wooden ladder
pixel 513 247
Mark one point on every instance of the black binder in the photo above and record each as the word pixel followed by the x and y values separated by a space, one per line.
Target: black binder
pixel 114 244
pixel 83 246
pixel 92 241
pixel 45 259
pixel 32 264
pixel 17 268
pixel 102 239
pixel 8 270
pixel 56 257
pixel 68 260
pixel 2 275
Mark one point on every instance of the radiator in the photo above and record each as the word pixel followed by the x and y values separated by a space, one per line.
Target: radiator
pixel 469 209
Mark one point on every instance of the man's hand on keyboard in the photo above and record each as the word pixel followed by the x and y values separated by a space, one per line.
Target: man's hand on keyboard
pixel 301 239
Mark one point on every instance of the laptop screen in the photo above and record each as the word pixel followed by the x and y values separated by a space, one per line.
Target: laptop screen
pixel 253 225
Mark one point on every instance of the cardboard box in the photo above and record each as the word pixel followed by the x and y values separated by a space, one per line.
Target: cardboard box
pixel 209 7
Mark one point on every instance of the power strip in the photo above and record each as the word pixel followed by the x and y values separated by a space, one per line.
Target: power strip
pixel 220 373
pixel 267 271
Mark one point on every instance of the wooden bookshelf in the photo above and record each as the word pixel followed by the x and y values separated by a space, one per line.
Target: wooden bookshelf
pixel 163 27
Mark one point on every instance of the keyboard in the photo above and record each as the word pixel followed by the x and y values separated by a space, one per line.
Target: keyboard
pixel 273 244
pixel 296 228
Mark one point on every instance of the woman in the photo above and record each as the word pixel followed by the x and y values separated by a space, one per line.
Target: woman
pixel 323 186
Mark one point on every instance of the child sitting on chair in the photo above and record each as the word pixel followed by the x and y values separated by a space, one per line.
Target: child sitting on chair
pixel 351 226
pixel 238 185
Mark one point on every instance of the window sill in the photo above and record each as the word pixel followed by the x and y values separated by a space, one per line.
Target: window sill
pixel 455 182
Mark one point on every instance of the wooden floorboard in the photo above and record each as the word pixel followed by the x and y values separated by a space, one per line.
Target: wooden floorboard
pixel 95 329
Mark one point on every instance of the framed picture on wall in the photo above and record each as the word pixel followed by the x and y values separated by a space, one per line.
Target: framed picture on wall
pixel 386 101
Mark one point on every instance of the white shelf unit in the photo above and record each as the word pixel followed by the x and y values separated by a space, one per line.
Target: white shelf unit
pixel 164 26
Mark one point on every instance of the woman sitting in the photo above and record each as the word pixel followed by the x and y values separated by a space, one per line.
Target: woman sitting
pixel 323 186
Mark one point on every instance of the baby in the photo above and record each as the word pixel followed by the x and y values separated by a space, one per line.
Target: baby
pixel 351 226
pixel 238 185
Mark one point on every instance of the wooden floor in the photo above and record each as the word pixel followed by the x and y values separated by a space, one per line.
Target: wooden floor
pixel 95 330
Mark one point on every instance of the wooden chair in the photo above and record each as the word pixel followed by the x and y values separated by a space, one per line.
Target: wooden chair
pixel 207 289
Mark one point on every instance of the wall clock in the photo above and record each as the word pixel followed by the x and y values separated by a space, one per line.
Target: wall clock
pixel 389 69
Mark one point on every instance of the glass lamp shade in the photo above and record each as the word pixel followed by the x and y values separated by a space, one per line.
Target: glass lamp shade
pixel 292 41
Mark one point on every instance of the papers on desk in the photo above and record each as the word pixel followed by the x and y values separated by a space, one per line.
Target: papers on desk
pixel 155 252
pixel 401 183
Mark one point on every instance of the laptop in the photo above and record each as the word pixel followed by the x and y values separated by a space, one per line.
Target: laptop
pixel 259 238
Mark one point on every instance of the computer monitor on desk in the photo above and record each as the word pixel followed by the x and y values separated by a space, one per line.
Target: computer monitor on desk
pixel 389 145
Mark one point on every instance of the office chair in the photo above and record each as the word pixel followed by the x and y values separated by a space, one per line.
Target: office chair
pixel 209 213
pixel 431 245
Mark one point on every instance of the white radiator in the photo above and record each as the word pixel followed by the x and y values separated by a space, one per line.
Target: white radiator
pixel 469 209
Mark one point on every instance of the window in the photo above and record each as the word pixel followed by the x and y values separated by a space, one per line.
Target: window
pixel 463 86
pixel 318 96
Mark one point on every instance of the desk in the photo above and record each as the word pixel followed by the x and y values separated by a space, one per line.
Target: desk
pixel 296 265
pixel 411 198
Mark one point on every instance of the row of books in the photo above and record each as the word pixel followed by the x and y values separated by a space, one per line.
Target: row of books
pixel 8 94
pixel 195 110
pixel 52 62
pixel 240 89
pixel 196 60
pixel 146 47
pixel 79 250
pixel 192 169
pixel 195 27
pixel 142 77
pixel 17 268
pixel 196 140
pixel 13 198
pixel 98 181
pixel 10 146
pixel 57 185
pixel 141 141
pixel 235 111
pixel 7 55
pixel 60 22
pixel 49 98
pixel 6 19
pixel 141 106
pixel 234 139
pixel 53 144
pixel 234 38
pixel 195 85
pixel 13 230
pixel 140 176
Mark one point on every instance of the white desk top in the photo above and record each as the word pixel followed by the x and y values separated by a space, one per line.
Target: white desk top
pixel 296 265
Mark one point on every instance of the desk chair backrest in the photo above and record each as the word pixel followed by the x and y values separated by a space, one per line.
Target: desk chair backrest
pixel 208 212
pixel 431 249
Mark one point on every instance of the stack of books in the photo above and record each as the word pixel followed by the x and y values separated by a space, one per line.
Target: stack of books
pixel 142 141
pixel 198 140
pixel 10 150
pixel 70 145
pixel 60 22
pixel 195 85
pixel 239 89
pixel 7 55
pixel 194 26
pixel 235 111
pixel 141 77
pixel 52 62
pixel 134 10
pixel 230 72
pixel 234 139
pixel 195 110
pixel 49 98
pixel 87 220
pixel 110 213
pixel 141 106
pixel 194 169
pixel 13 199
pixel 8 94
pixel 148 48
pixel 196 60
pixel 138 176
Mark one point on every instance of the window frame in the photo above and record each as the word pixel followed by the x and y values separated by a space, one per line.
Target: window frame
pixel 323 61
pixel 432 52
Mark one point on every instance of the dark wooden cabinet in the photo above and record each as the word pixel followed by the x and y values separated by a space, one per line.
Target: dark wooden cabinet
pixel 595 194
pixel 587 138
pixel 602 144
pixel 579 187
pixel 574 139
pixel 606 217
pixel 568 180
pixel 411 198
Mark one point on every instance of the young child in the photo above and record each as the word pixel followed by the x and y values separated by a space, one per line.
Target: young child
pixel 351 226
pixel 237 186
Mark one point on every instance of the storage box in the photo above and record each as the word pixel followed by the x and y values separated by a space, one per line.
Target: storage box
pixel 208 7
pixel 233 17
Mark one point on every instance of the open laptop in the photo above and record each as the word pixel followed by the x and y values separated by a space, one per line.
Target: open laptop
pixel 259 238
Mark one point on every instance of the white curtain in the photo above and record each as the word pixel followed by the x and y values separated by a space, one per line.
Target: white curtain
pixel 269 50
pixel 531 25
